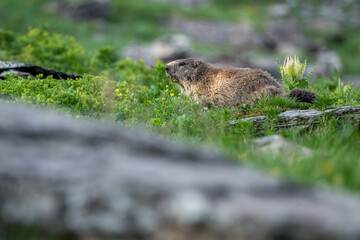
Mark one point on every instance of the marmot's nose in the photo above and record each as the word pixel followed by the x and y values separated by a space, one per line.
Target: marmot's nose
pixel 167 68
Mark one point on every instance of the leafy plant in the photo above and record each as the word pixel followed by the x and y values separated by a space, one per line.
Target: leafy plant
pixel 292 71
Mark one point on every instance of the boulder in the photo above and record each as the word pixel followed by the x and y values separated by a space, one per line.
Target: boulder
pixel 327 62
pixel 96 181
pixel 305 118
pixel 185 3
pixel 278 145
pixel 240 34
pixel 288 38
pixel 165 49
pixel 86 10
pixel 29 71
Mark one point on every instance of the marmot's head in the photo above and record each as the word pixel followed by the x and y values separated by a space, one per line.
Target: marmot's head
pixel 185 71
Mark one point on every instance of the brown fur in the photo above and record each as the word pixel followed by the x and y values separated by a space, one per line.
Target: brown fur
pixel 226 87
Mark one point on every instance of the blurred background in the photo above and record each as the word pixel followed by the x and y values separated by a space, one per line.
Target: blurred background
pixel 242 33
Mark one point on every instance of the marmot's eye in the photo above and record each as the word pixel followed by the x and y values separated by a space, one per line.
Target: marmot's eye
pixel 182 64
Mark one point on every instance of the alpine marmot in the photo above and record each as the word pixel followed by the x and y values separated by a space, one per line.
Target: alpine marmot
pixel 227 87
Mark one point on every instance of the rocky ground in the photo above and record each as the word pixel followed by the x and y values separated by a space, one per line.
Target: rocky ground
pixel 95 181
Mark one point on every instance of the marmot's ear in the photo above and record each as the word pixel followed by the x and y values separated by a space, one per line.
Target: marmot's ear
pixel 196 63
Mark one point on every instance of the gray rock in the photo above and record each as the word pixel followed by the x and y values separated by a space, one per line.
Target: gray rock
pixel 92 179
pixel 29 70
pixel 326 62
pixel 241 34
pixel 268 64
pixel 228 61
pixel 305 118
pixel 279 10
pixel 287 37
pixel 185 3
pixel 4 75
pixel 165 49
pixel 354 80
pixel 86 10
pixel 342 13
pixel 276 145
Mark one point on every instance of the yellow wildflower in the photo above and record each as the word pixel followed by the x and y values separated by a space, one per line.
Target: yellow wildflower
pixel 328 168
pixel 77 116
pixel 293 67
pixel 120 94
pixel 276 171
pixel 104 104
pixel 167 86
pixel 134 99
pixel 117 90
pixel 179 94
pixel 163 98
pixel 241 155
pixel 166 90
pixel 171 94
pixel 126 91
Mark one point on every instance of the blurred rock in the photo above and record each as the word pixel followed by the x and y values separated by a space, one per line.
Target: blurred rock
pixel 241 34
pixel 228 61
pixel 288 38
pixel 185 3
pixel 276 144
pixel 344 13
pixel 268 64
pixel 279 10
pixel 28 70
pixel 326 62
pixel 87 10
pixel 91 179
pixel 165 49
pixel 25 75
pixel 354 80
pixel 304 118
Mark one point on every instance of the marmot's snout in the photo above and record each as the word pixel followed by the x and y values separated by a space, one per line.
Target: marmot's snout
pixel 171 70
pixel 168 69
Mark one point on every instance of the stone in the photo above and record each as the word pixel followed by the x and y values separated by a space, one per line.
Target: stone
pixel 287 37
pixel 28 70
pixel 354 80
pixel 86 10
pixel 228 60
pixel 326 62
pixel 99 181
pixel 279 10
pixel 268 64
pixel 240 34
pixel 185 3
pixel 276 145
pixel 305 118
pixel 15 73
pixel 165 49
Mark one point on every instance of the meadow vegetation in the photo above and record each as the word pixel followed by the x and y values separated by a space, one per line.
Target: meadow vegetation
pixel 129 93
